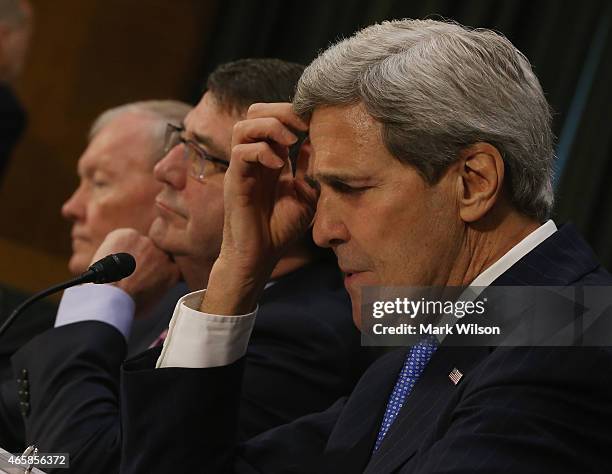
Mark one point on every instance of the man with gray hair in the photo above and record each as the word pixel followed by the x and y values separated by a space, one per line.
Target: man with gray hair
pixel 303 354
pixel 429 164
pixel 117 189
pixel 117 186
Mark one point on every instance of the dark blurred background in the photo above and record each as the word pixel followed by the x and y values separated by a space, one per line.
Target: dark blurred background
pixel 89 56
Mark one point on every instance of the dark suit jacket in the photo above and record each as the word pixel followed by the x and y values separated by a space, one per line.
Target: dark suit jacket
pixel 535 410
pixel 40 318
pixel 37 319
pixel 304 353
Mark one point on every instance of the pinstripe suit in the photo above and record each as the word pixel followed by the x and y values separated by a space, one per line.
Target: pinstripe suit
pixel 515 410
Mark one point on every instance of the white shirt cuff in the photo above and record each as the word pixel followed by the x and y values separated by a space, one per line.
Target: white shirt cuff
pixel 201 340
pixel 90 302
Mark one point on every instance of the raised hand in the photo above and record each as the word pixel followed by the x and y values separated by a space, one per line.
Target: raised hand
pixel 155 272
pixel 266 207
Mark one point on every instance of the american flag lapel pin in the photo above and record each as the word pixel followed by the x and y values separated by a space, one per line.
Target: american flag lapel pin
pixel 455 375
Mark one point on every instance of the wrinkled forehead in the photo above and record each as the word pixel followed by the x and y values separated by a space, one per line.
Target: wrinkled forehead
pixel 345 138
pixel 211 125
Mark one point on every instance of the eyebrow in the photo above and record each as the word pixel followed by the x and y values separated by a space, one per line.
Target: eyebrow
pixel 206 141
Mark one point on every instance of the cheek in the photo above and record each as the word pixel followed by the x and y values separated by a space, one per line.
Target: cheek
pixel 106 214
pixel 394 238
pixel 378 232
pixel 206 215
pixel 124 208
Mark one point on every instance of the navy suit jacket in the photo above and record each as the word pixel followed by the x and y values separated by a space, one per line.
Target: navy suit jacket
pixel 41 318
pixel 304 353
pixel 521 409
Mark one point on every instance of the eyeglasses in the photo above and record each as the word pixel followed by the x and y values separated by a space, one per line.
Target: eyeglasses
pixel 201 164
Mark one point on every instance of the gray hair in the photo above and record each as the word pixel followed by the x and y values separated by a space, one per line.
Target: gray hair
pixel 437 87
pixel 161 111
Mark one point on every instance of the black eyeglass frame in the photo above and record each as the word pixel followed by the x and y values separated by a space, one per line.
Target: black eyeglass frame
pixel 191 145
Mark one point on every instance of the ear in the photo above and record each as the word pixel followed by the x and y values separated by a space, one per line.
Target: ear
pixel 481 179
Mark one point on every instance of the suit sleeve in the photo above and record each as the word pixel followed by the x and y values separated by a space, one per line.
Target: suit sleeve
pixel 177 419
pixel 69 389
pixel 299 361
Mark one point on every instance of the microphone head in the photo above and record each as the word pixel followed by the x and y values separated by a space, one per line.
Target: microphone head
pixel 112 268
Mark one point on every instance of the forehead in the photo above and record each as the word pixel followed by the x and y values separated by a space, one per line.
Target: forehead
pixel 127 141
pixel 208 119
pixel 347 139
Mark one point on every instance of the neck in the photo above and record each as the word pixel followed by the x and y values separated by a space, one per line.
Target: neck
pixel 486 241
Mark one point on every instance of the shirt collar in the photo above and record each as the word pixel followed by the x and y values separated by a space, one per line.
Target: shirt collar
pixel 515 254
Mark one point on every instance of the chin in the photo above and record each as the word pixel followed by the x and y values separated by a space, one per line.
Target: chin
pixel 161 234
pixel 170 242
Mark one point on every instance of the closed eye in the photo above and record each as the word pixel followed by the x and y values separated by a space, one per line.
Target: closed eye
pixel 344 188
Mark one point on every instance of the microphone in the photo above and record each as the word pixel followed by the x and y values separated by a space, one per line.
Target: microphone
pixel 111 268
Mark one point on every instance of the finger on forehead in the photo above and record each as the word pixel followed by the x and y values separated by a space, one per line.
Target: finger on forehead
pixel 283 111
pixel 265 128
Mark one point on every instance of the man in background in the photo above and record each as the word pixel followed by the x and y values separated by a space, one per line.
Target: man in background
pixel 15 30
pixel 305 352
pixel 117 188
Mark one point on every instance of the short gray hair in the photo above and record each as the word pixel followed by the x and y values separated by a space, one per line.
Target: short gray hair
pixel 161 111
pixel 437 87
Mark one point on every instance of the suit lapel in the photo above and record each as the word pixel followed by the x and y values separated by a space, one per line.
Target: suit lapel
pixel 423 406
pixel 350 444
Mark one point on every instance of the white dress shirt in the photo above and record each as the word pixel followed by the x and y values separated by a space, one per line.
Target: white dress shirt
pixel 200 340
pixel 179 340
pixel 515 254
pixel 90 302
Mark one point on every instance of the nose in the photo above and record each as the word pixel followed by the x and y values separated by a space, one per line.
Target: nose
pixel 75 207
pixel 329 229
pixel 172 168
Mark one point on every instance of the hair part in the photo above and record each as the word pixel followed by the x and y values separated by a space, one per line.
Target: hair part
pixel 160 111
pixel 437 87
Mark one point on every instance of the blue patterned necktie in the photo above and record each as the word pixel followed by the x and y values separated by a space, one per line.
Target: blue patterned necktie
pixel 415 363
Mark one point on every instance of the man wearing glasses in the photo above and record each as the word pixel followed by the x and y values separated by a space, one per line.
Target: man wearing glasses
pixel 304 353
pixel 429 163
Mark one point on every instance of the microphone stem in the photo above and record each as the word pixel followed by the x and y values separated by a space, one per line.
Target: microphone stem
pixel 38 296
